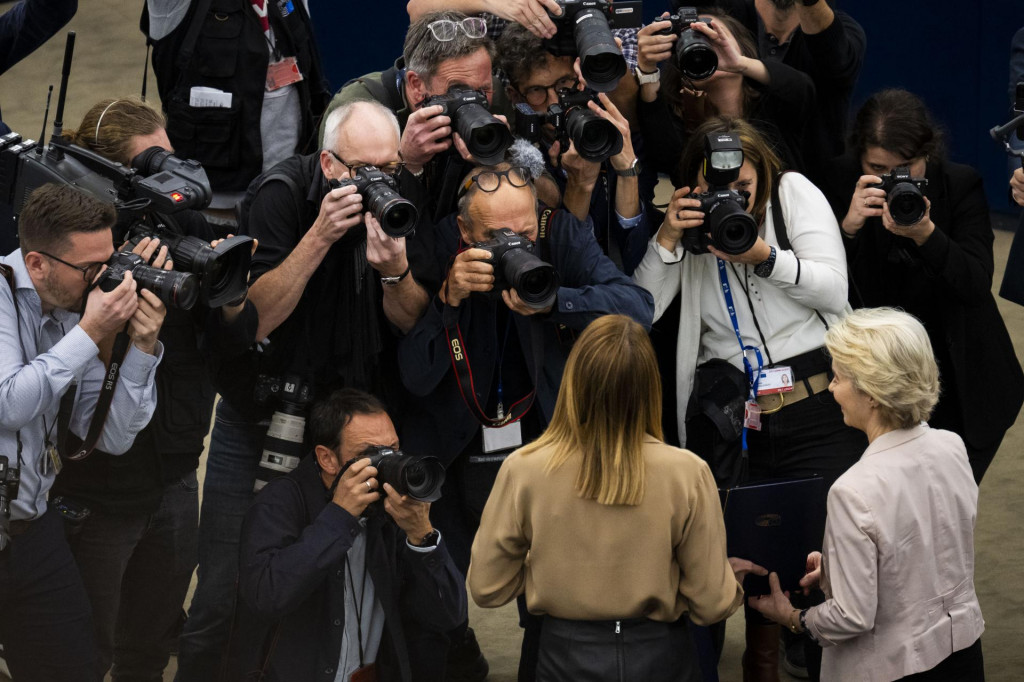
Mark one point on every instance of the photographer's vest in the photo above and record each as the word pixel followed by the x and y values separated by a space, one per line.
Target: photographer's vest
pixel 221 44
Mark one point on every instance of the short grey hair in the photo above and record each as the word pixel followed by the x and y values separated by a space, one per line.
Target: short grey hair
pixel 423 53
pixel 886 354
pixel 337 118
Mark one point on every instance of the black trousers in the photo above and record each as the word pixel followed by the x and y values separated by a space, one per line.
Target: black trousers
pixel 46 623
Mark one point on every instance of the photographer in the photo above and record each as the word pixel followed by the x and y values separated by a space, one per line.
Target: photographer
pixel 928 251
pixel 442 50
pixel 609 192
pixel 330 287
pixel 137 518
pixel 516 348
pixel 346 575
pixel 51 375
pixel 763 301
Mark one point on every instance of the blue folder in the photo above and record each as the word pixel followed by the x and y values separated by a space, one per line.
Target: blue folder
pixel 774 524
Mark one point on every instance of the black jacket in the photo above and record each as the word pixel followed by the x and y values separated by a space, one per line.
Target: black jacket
pixel 291 572
pixel 947 284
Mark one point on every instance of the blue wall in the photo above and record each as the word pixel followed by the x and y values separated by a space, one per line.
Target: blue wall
pixel 953 54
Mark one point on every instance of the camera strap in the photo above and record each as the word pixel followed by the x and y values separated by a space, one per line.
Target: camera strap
pixel 84 448
pixel 8 274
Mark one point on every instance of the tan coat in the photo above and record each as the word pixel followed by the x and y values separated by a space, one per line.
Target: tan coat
pixel 899 559
pixel 577 559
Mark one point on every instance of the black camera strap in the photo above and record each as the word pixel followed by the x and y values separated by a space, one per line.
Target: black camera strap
pixel 80 449
pixel 779 221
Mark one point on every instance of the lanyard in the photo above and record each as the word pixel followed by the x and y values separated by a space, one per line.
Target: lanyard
pixel 752 376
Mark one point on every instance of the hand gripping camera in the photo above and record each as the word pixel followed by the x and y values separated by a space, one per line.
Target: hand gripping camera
pixel 175 289
pixel 583 30
pixel 596 139
pixel 516 267
pixel 418 476
pixel 397 216
pixel 696 57
pixel 904 196
pixel 727 225
pixel 486 136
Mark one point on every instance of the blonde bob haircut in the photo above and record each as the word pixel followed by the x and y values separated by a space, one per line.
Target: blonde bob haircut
pixel 887 355
pixel 609 399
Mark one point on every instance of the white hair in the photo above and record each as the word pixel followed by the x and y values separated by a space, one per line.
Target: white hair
pixel 337 118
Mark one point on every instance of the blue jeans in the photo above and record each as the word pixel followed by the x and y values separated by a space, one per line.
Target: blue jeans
pixel 235 447
pixel 136 569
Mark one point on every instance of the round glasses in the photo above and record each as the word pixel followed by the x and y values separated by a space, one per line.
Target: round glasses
pixel 537 95
pixel 445 30
pixel 489 181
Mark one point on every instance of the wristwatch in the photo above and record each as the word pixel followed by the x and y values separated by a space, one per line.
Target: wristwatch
pixel 765 267
pixel 631 172
pixel 643 77
pixel 430 539
pixel 393 281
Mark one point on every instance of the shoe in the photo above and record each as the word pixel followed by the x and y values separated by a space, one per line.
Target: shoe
pixel 466 663
pixel 761 657
pixel 791 653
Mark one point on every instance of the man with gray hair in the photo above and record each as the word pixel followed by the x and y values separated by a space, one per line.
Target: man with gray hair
pixel 442 50
pixel 329 285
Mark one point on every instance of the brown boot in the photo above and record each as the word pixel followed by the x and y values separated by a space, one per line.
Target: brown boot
pixel 761 658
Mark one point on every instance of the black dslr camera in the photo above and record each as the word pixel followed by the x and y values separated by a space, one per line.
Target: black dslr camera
pixel 727 225
pixel 10 481
pixel 175 289
pixel 486 136
pixel 397 216
pixel 904 196
pixel 418 476
pixel 595 138
pixel 516 267
pixel 285 442
pixel 583 29
pixel 696 57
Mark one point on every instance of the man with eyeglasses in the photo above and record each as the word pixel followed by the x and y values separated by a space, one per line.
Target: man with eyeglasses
pixel 514 352
pixel 56 327
pixel 442 50
pixel 609 192
pixel 330 287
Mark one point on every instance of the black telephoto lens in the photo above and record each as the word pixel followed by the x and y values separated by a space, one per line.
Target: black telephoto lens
pixel 419 477
pixel 535 281
pixel 906 204
pixel 485 136
pixel 697 59
pixel 595 138
pixel 397 216
pixel 175 289
pixel 732 229
pixel 223 271
pixel 601 60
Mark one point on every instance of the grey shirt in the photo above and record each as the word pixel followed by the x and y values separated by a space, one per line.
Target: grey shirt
pixel 38 364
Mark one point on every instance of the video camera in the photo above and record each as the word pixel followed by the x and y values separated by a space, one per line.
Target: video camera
pixel 485 136
pixel 595 138
pixel 583 29
pixel 731 229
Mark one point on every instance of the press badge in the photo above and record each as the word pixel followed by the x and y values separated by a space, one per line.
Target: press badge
pixel 775 380
pixel 282 73
pixel 504 438
pixel 52 462
pixel 752 415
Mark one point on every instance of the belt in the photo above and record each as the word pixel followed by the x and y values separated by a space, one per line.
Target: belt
pixel 20 526
pixel 802 388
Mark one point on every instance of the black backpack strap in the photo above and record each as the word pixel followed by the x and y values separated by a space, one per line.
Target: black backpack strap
pixel 188 45
pixel 383 89
pixel 242 207
pixel 779 221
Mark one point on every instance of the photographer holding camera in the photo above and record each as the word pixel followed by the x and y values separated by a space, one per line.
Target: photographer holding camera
pixel 342 575
pixel 56 324
pixel 918 237
pixel 134 520
pixel 754 295
pixel 330 285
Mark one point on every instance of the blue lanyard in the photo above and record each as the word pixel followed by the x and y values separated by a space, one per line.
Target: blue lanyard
pixel 752 376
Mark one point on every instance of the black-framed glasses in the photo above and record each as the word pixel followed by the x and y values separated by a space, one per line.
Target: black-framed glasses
pixel 538 94
pixel 445 30
pixel 489 181
pixel 89 271
pixel 392 168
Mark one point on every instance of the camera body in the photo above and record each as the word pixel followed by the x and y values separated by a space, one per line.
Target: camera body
pixel 727 225
pixel 594 138
pixel 418 476
pixel 397 216
pixel 583 29
pixel 696 57
pixel 10 482
pixel 175 289
pixel 285 442
pixel 485 136
pixel 516 267
pixel 904 194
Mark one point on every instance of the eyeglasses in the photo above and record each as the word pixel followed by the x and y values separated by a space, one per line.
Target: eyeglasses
pixel 538 94
pixel 489 181
pixel 445 30
pixel 392 168
pixel 89 271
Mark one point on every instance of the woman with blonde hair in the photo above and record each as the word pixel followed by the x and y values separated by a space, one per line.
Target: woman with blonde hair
pixel 897 564
pixel 611 534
